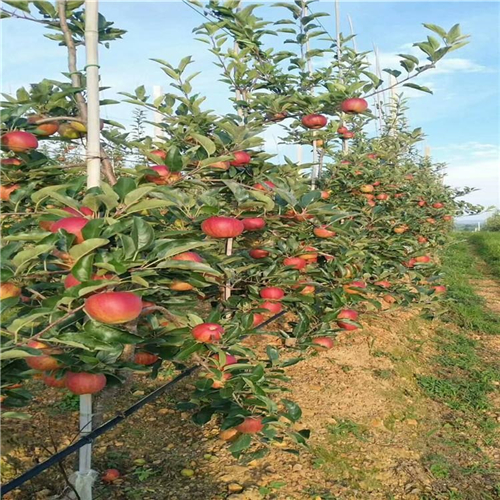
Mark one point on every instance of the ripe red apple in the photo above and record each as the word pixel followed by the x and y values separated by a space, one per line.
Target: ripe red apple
pixel 400 229
pixel 372 156
pixel 323 342
pixel 389 299
pixel 85 383
pixel 342 130
pixel 52 381
pixel 314 121
pixel 222 165
pixel 258 318
pixel 348 314
pixel 265 186
pixel 295 262
pixel 257 253
pixel 325 194
pixel 6 191
pixel 447 218
pixel 251 425
pixel 423 259
pixel 383 284
pixel 72 225
pixel 422 203
pixel 355 288
pixel 113 308
pixel 272 293
pixel 82 211
pixel 382 197
pixel 44 129
pixel 311 255
pixel 188 256
pixel 8 290
pixel 430 220
pixel 410 263
pixel 110 475
pixel 272 307
pixel 230 359
pixel 207 332
pixel 348 135
pixel 422 239
pixel 254 223
pixel 42 362
pixel 163 175
pixel 240 158
pixel 162 155
pixel 437 205
pixel 323 232
pixel 145 358
pixel 70 281
pixel 19 141
pixel 354 105
pixel 222 227
pixel 11 161
pixel 345 162
pixel 219 384
pixel 439 289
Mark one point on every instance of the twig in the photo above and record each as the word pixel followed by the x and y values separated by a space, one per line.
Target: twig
pixel 166 312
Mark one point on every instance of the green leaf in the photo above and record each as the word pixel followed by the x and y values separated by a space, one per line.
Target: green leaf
pixel 418 87
pixel 208 145
pixel 437 29
pixel 16 414
pixel 110 335
pixel 149 205
pixel 88 246
pixel 142 233
pixel 14 354
pixel 135 195
pixel 29 319
pixel 22 258
pixel 242 443
pixel 293 410
pixel 174 159
pixel 124 186
pixel 19 4
pixel 82 270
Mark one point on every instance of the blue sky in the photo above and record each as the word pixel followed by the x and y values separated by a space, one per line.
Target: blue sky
pixel 461 119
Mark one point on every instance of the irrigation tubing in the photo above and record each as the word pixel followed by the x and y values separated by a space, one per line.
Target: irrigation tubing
pixel 89 438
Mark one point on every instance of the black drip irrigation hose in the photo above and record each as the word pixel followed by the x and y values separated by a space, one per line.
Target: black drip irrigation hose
pixel 89 438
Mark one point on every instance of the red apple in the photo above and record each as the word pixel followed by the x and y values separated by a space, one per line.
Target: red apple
pixel 265 186
pixel 110 475
pixel 230 359
pixel 222 227
pixel 272 307
pixel 43 362
pixel 354 288
pixel 52 381
pixel 6 191
pixel 323 342
pixel 314 121
pixel 382 284
pixel 222 165
pixel 8 290
pixel 254 223
pixel 372 156
pixel 207 332
pixel 348 135
pixel 188 256
pixel 382 197
pixel 439 289
pixel 162 155
pixel 323 232
pixel 240 158
pixel 342 130
pixel 70 281
pixel 44 129
pixel 354 105
pixel 437 205
pixel 251 425
pixel 72 225
pixel 163 175
pixel 11 161
pixel 85 383
pixel 19 141
pixel 219 384
pixel 114 308
pixel 422 239
pixel 422 203
pixel 295 262
pixel 389 299
pixel 423 259
pixel 325 195
pixel 258 318
pixel 348 314
pixel 430 220
pixel 257 253
pixel 272 293
pixel 447 218
pixel 145 358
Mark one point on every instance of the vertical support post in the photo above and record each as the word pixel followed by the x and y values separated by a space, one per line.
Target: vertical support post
pixel 93 118
pixel 229 252
pixel 157 132
pixel 345 145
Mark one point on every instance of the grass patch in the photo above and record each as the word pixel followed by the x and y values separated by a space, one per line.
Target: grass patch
pixel 467 309
pixel 487 245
